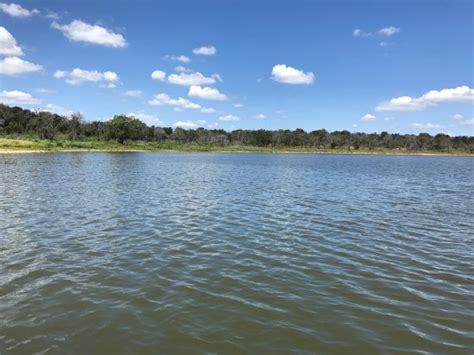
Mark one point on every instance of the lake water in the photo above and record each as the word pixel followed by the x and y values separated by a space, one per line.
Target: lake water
pixel 236 253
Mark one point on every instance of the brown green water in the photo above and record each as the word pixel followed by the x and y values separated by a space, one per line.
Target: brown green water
pixel 236 253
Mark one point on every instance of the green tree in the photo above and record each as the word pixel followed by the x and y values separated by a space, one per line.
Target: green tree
pixel 123 128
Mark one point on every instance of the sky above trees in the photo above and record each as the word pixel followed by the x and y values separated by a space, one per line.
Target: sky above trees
pixel 369 66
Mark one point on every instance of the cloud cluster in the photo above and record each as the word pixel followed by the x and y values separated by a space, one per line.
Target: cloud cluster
pixel 210 50
pixel 287 75
pixel 165 99
pixel 185 78
pixel 79 76
pixel 206 93
pixel 431 98
pixel 15 10
pixel 16 97
pixel 16 66
pixel 79 31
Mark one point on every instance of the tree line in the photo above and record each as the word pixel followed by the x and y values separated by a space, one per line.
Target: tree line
pixel 15 121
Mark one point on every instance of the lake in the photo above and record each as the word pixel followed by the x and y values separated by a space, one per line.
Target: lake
pixel 236 253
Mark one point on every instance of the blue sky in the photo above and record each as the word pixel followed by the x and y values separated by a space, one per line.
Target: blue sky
pixel 370 66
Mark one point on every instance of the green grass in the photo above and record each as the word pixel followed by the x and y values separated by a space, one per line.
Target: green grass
pixel 12 145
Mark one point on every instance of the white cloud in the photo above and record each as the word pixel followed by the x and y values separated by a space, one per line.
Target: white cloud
pixel 201 122
pixel 16 66
pixel 185 124
pixel 16 10
pixel 186 79
pixel 288 75
pixel 59 110
pixel 158 75
pixel 360 33
pixel 79 76
pixel 388 31
pixel 213 125
pixel 383 44
pixel 260 116
pixel 229 118
pixel 8 45
pixel 238 105
pixel 211 50
pixel 150 120
pixel 206 93
pixel 208 110
pixel 431 98
pixel 457 117
pixel 427 125
pixel 182 69
pixel 178 58
pixel 368 117
pixel 79 31
pixel 133 93
pixel 17 97
pixel 164 99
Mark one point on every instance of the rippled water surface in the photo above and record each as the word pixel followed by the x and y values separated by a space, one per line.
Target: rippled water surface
pixel 149 252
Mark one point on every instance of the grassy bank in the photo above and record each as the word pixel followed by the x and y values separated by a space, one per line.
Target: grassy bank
pixel 10 145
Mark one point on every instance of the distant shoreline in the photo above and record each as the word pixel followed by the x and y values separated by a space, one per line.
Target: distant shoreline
pixel 15 146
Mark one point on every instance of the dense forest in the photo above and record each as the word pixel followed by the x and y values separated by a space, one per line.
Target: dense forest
pixel 18 122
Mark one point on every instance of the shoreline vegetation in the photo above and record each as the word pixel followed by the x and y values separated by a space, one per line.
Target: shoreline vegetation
pixel 31 131
pixel 18 146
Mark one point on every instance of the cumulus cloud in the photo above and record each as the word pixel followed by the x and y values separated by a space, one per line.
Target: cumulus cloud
pixel 177 58
pixel 188 79
pixel 79 76
pixel 8 45
pixel 164 99
pixel 15 10
pixel 133 93
pixel 427 125
pixel 206 93
pixel 288 75
pixel 16 66
pixel 238 105
pixel 16 97
pixel 79 31
pixel 158 75
pixel 150 120
pixel 368 117
pixel 260 116
pixel 210 50
pixel 431 98
pixel 228 118
pixel 388 31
